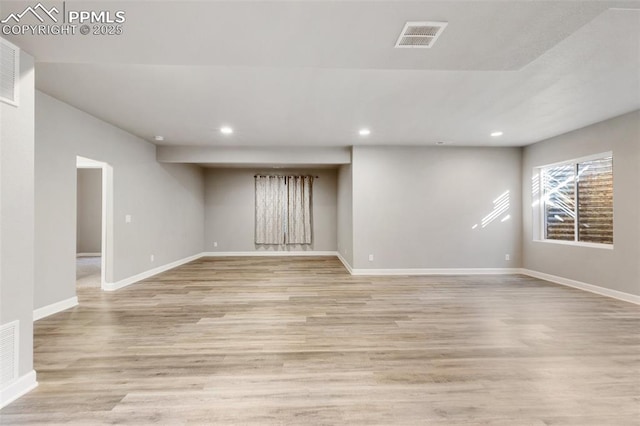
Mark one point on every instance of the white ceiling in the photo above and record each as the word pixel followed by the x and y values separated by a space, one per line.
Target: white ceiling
pixel 311 73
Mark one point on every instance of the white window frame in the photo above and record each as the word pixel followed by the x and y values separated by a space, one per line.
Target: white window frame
pixel 538 205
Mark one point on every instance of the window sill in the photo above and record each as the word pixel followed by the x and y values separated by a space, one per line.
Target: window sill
pixel 577 244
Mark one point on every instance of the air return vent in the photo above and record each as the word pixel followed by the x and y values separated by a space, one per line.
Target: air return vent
pixel 9 72
pixel 420 34
pixel 9 352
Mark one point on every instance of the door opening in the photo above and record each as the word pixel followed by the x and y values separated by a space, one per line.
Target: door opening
pixel 93 219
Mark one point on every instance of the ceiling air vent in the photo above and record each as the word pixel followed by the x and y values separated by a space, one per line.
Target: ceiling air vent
pixel 9 72
pixel 420 34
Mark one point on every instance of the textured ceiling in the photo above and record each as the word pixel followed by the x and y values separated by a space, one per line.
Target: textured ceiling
pixel 312 73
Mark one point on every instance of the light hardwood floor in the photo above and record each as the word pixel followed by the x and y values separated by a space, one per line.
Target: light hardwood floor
pixel 299 341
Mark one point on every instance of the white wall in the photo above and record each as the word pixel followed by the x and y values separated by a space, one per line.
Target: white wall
pixel 256 157
pixel 164 200
pixel 345 213
pixel 617 269
pixel 89 211
pixel 414 207
pixel 16 213
pixel 230 210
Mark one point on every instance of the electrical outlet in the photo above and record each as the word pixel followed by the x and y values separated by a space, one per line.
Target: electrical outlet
pixel 152 258
pixel 507 257
pixel 370 258
pixel 215 244
pixel 127 218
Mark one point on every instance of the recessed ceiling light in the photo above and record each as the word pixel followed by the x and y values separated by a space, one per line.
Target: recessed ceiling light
pixel 364 132
pixel 496 134
pixel 439 143
pixel 226 130
pixel 159 138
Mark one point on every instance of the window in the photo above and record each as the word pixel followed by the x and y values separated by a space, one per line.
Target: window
pixel 576 200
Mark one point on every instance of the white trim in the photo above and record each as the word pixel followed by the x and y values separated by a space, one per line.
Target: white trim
pixel 345 263
pixel 627 297
pixel 577 244
pixel 107 244
pixel 88 254
pixel 151 272
pixel 268 253
pixel 16 388
pixel 54 308
pixel 88 163
pixel 437 271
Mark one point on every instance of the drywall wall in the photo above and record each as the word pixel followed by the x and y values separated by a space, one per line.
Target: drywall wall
pixel 165 201
pixel 345 213
pixel 617 269
pixel 256 157
pixel 416 207
pixel 230 210
pixel 16 214
pixel 89 211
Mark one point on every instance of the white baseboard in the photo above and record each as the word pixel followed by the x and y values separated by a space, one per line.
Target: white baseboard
pixel 627 297
pixel 54 308
pixel 88 254
pixel 17 388
pixel 268 253
pixel 151 272
pixel 436 271
pixel 345 263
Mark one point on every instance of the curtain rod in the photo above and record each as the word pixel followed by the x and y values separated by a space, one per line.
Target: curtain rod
pixel 315 177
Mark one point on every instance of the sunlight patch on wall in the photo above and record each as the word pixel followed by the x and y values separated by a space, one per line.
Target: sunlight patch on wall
pixel 500 206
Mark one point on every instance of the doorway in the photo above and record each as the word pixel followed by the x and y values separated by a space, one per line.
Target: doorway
pixel 93 192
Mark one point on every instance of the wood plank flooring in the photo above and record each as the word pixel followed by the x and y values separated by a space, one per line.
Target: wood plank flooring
pixel 299 341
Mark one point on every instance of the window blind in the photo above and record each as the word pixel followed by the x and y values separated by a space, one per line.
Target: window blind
pixel 578 201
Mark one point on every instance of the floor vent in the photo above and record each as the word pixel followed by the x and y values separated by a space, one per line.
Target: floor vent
pixel 9 72
pixel 9 352
pixel 420 34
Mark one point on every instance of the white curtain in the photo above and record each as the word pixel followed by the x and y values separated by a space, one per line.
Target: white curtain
pixel 283 209
pixel 271 204
pixel 299 210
